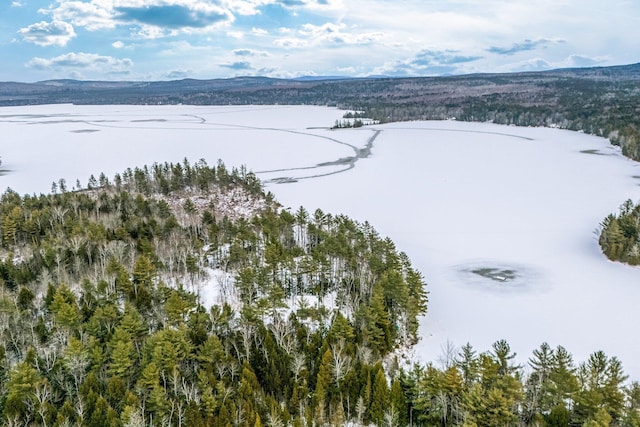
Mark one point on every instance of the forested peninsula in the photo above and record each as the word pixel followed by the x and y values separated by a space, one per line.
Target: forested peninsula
pixel 104 312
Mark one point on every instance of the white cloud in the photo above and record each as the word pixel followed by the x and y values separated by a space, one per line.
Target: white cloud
pixel 82 61
pixel 350 71
pixel 290 43
pixel 532 64
pixel 17 4
pixel 328 34
pixel 259 31
pixel 313 5
pixel 117 44
pixel 246 7
pixel 572 61
pixel 576 60
pixel 334 33
pixel 321 30
pixel 48 33
pixel 94 15
pixel 149 32
pixel 235 34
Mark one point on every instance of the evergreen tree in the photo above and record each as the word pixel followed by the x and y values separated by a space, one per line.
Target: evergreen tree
pixel 467 362
pixel 122 353
pixel 321 395
pixel 398 402
pixel 379 397
pixel 538 391
pixel 21 392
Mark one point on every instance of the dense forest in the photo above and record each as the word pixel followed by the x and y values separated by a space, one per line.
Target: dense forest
pixel 103 313
pixel 184 295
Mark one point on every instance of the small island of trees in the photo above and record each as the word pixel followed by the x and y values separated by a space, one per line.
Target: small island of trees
pixel 620 234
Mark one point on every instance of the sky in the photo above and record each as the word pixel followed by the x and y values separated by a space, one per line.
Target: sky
pixel 203 39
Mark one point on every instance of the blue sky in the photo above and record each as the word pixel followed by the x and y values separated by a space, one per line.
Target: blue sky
pixel 174 39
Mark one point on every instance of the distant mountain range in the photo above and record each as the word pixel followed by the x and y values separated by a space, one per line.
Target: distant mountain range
pixel 309 89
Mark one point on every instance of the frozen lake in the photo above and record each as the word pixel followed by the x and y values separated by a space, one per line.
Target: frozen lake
pixel 500 220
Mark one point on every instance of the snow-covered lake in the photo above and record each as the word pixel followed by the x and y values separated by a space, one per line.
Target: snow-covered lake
pixel 500 220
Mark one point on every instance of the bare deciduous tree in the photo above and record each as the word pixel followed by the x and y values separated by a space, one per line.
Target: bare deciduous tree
pixel 341 363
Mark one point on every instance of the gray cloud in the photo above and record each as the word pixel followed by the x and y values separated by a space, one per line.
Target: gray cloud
pixel 404 69
pixel 48 33
pixel 428 58
pixel 245 53
pixel 303 3
pixel 82 60
pixel 173 16
pixel 524 46
pixel 239 65
pixel 291 2
pixel 178 74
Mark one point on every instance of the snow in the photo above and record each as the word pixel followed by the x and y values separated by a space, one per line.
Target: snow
pixel 500 220
pixel 73 142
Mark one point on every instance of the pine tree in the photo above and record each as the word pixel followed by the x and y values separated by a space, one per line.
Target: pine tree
pixel 122 352
pixel 467 361
pixel 341 329
pixel 323 381
pixel 379 396
pixel 20 391
pixel 9 230
pixel 558 417
pixel 398 402
pixel 563 382
pixel 379 325
pixel 539 392
pixel 248 392
pixel 600 388
pixel 65 309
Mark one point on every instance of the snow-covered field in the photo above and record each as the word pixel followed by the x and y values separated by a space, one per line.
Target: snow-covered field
pixel 500 220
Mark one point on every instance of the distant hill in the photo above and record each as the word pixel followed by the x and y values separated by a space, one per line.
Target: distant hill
pixel 308 89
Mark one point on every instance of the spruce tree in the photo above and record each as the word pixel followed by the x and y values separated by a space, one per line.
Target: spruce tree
pixel 379 397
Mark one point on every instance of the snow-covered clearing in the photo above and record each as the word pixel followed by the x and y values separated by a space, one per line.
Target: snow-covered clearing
pixel 500 220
